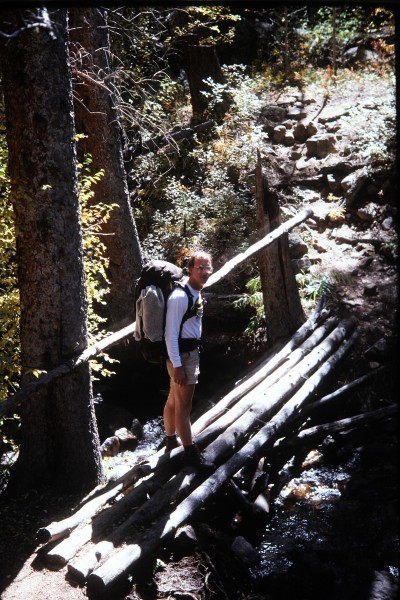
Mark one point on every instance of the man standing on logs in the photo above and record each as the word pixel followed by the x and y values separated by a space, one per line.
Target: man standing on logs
pixel 182 340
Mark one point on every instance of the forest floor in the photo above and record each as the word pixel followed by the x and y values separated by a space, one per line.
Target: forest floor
pixel 369 293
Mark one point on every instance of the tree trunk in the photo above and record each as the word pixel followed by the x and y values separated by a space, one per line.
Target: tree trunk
pixel 282 306
pixel 96 116
pixel 201 63
pixel 59 433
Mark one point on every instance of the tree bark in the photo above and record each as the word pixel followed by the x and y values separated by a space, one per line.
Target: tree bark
pixel 42 168
pixel 96 116
pixel 282 306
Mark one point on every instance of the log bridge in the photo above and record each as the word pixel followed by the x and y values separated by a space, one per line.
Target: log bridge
pixel 265 414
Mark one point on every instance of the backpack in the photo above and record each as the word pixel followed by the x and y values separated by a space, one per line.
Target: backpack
pixel 157 280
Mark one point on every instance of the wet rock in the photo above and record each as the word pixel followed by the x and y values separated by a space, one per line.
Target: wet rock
pixel 321 145
pixel 245 551
pixel 370 289
pixel 137 429
pixel 388 223
pixel 378 351
pixel 110 446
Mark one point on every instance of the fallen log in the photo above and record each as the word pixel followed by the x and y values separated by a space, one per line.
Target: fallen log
pixel 247 404
pixel 325 429
pixel 57 529
pixel 177 488
pixel 345 389
pixel 13 402
pixel 257 408
pixel 271 376
pixel 263 369
pixel 121 562
pixel 265 241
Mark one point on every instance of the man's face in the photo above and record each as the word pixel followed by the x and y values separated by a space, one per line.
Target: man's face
pixel 200 272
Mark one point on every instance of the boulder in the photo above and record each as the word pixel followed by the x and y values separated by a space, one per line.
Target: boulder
pixel 321 145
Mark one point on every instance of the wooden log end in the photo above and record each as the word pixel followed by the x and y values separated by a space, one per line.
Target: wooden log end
pixel 55 561
pixel 43 535
pixel 76 574
pixel 96 583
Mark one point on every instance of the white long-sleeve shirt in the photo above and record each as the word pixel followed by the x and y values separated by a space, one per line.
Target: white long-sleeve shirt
pixel 177 305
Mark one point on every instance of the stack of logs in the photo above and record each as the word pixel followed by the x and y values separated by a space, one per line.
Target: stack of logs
pixel 129 518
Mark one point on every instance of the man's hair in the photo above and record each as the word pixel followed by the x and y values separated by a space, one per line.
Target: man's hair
pixel 198 254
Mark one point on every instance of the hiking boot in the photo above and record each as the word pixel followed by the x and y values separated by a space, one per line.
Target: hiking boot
pixel 170 442
pixel 193 458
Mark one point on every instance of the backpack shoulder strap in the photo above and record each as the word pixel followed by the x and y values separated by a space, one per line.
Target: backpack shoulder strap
pixel 188 312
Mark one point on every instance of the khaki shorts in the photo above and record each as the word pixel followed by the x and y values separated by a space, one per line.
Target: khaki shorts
pixel 190 363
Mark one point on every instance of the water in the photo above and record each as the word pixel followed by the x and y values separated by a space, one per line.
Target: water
pixel 333 533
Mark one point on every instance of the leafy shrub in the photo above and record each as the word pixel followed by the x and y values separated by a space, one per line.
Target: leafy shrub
pixel 254 299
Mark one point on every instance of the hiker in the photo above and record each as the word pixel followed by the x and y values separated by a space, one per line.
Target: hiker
pixel 182 341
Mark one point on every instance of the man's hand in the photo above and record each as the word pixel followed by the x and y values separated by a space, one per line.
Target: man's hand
pixel 179 375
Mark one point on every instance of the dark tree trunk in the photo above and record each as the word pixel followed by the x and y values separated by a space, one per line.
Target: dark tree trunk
pixel 96 116
pixel 282 306
pixel 59 434
pixel 201 63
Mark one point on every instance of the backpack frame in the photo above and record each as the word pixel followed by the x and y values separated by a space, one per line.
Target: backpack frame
pixel 165 276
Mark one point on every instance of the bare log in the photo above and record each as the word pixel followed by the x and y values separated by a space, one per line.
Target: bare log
pixel 177 488
pixel 343 424
pixel 14 401
pixel 345 389
pixel 265 241
pixel 262 371
pixel 259 405
pixel 121 562
pixel 58 529
pixel 255 410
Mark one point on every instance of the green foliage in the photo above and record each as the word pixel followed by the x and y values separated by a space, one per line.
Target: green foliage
pixel 203 24
pixel 95 260
pixel 313 285
pixel 200 197
pixel 9 295
pixel 253 299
